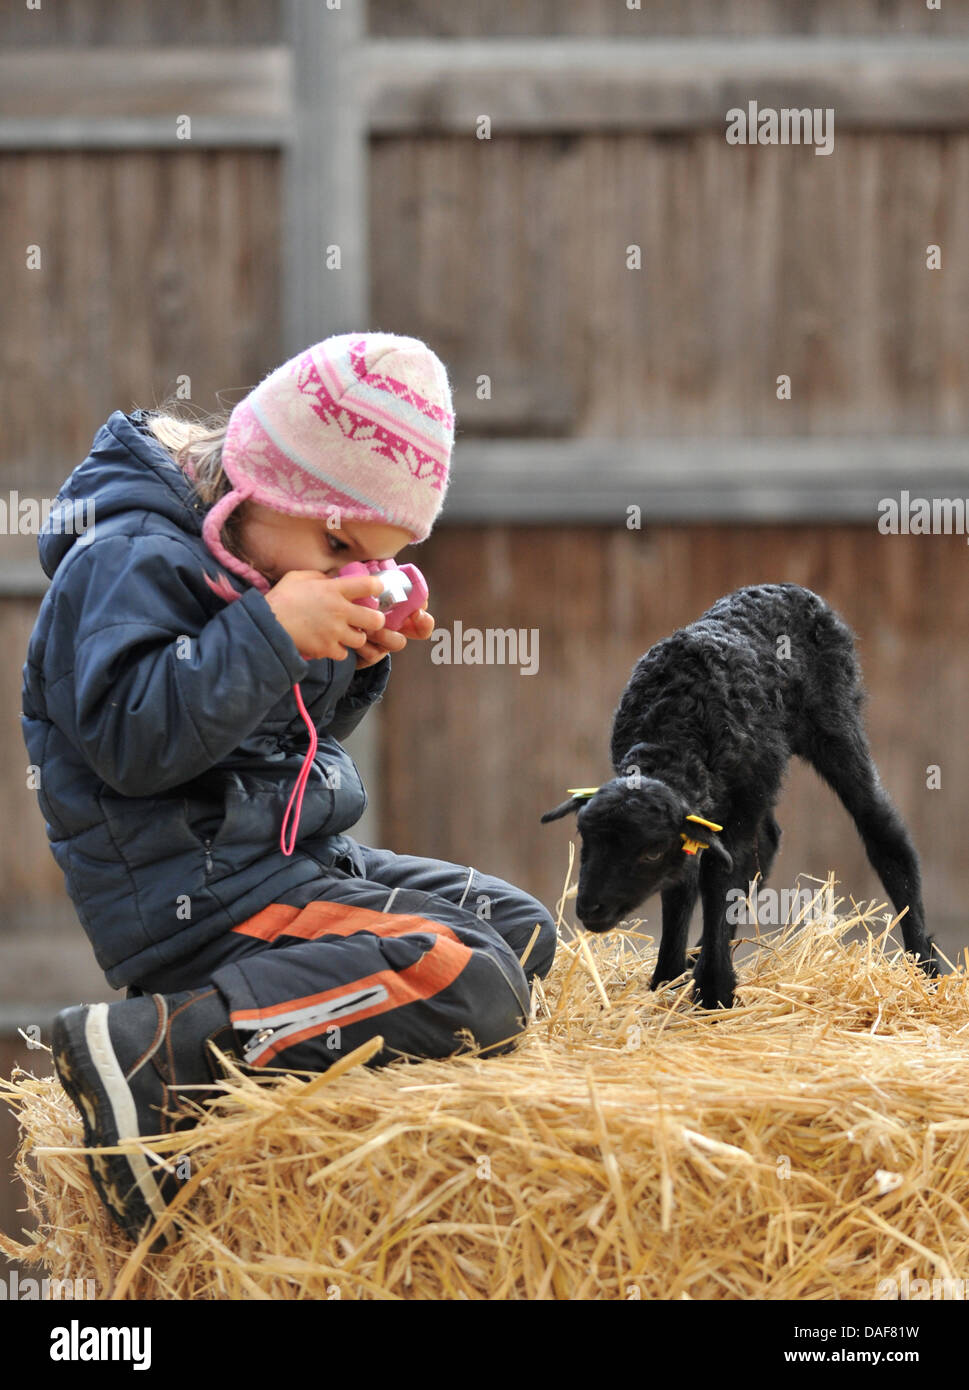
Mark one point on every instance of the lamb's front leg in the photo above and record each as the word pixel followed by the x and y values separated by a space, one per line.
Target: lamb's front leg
pixel 678 904
pixel 713 977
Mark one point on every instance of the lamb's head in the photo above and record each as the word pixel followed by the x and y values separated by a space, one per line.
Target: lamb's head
pixel 632 846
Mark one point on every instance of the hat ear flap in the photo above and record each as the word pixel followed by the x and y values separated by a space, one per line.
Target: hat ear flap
pixel 573 804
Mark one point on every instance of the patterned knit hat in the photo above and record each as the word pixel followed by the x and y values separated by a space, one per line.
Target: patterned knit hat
pixel 361 423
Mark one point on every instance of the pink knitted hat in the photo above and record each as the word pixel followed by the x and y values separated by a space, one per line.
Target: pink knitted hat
pixel 361 423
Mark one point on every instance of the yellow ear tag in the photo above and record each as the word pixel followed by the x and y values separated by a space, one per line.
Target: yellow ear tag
pixel 691 846
pixel 581 791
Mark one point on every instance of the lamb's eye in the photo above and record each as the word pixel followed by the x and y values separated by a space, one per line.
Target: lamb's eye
pixel 651 858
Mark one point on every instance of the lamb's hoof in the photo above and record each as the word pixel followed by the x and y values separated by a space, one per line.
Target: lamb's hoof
pixel 713 994
pixel 669 974
pixel 665 977
pixel 930 966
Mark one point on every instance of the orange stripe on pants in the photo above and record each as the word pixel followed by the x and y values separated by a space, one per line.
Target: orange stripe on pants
pixel 335 919
pixel 435 971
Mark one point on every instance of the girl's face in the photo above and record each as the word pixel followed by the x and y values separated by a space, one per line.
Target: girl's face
pixel 276 543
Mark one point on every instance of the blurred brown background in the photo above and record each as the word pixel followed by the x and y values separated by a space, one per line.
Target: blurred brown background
pixel 203 258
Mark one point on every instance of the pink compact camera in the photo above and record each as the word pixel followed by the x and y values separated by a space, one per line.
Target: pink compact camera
pixel 404 592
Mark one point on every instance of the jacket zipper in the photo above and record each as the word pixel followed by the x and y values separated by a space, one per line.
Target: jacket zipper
pixel 208 857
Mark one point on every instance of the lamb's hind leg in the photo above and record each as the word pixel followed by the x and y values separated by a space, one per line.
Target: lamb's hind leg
pixel 844 761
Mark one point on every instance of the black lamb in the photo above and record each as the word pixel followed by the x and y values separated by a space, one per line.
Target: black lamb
pixel 705 728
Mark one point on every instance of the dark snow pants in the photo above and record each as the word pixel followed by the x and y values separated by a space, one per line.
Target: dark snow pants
pixel 408 948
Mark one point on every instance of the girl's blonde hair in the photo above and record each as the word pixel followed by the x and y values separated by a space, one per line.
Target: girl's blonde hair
pixel 195 443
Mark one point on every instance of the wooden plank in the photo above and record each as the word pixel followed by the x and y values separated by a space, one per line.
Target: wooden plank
pixel 324 177
pixel 84 23
pixel 122 98
pixel 232 81
pixel 698 479
pixel 547 84
pixel 721 480
pixel 107 97
pixel 147 132
pixel 654 18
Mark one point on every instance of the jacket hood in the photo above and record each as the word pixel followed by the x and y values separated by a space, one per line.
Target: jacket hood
pixel 126 470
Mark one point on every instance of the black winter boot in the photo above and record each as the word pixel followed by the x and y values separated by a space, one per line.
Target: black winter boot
pixel 123 1066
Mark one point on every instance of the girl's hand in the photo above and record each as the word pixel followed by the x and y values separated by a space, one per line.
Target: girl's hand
pixel 419 625
pixel 320 616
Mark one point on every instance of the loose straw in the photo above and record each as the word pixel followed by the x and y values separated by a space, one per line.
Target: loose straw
pixel 811 1143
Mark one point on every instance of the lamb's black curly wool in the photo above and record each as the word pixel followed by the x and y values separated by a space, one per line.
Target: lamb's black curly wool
pixel 706 726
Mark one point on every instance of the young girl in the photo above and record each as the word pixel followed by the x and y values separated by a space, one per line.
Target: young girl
pixel 194 665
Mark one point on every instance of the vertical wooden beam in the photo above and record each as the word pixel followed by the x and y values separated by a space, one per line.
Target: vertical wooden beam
pixel 325 192
pixel 325 170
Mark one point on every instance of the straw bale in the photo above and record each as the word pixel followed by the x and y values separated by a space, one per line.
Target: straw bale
pixel 807 1144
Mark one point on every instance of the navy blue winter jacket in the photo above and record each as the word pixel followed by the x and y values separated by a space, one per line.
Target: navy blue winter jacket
pixel 162 721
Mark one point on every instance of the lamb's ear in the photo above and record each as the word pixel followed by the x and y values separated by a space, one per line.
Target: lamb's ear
pixel 701 834
pixel 573 804
pixel 716 848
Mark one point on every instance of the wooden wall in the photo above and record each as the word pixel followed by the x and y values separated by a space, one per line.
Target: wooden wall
pixel 757 261
pixel 155 264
